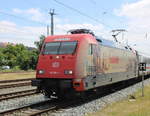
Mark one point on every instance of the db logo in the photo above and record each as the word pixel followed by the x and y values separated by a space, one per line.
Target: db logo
pixel 55 64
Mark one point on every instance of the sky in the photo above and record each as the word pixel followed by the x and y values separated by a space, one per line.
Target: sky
pixel 23 21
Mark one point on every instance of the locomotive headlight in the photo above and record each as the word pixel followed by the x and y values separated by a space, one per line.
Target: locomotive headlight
pixel 41 72
pixel 68 72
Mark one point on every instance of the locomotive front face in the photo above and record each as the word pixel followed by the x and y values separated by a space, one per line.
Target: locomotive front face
pixel 58 64
pixel 62 64
pixel 57 60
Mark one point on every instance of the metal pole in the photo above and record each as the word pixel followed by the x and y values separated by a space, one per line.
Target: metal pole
pixel 52 21
pixel 142 83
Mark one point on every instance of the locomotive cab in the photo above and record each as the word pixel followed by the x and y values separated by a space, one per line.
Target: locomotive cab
pixel 56 65
pixel 57 60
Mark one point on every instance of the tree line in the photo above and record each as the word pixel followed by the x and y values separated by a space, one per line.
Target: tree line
pixel 19 56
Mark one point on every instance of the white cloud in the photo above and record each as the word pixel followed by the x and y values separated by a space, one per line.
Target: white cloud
pixel 16 10
pixel 138 9
pixel 67 27
pixel 99 29
pixel 138 21
pixel 10 32
pixel 36 15
pixel 28 34
pixel 33 14
pixel 3 22
pixel 137 13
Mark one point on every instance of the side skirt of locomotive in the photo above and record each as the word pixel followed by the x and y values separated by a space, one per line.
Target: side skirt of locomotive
pixel 66 87
pixel 91 81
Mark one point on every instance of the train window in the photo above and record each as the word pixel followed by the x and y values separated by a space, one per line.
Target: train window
pixel 95 50
pixel 90 49
pixel 51 48
pixel 60 48
pixel 67 47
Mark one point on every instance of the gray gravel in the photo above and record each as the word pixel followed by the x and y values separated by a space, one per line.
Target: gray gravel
pixel 98 104
pixel 19 102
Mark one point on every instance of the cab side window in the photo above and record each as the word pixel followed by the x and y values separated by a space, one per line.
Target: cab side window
pixel 90 49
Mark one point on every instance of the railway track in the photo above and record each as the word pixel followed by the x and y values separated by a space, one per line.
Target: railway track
pixel 14 83
pixel 50 106
pixel 38 108
pixel 12 95
pixel 17 80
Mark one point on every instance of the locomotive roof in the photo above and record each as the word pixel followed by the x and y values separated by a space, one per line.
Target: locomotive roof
pixel 77 36
pixel 100 40
pixel 111 43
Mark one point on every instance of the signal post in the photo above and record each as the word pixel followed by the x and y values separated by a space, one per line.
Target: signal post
pixel 142 67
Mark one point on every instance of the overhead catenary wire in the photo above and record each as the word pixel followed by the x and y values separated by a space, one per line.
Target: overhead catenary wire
pixel 83 14
pixel 106 11
pixel 22 18
pixel 45 10
pixel 97 9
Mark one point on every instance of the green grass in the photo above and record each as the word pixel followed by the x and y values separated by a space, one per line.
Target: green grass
pixel 139 107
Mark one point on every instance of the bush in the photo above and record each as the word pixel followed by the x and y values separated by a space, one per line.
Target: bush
pixel 18 57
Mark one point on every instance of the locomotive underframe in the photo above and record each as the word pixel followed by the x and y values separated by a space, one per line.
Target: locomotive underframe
pixel 105 79
pixel 62 87
pixel 53 87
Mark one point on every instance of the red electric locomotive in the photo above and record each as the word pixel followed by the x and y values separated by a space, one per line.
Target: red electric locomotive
pixel 78 62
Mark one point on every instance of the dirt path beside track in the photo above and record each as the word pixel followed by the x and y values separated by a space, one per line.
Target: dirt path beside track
pixel 20 75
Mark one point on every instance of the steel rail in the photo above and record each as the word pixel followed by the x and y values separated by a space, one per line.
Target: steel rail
pixel 23 107
pixel 39 108
pixel 15 85
pixel 17 80
pixel 17 94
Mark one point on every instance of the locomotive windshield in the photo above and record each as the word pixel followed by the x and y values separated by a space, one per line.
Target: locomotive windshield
pixel 60 48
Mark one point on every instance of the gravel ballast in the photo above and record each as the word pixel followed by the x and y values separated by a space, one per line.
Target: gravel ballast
pixel 80 110
pixel 100 103
pixel 19 102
